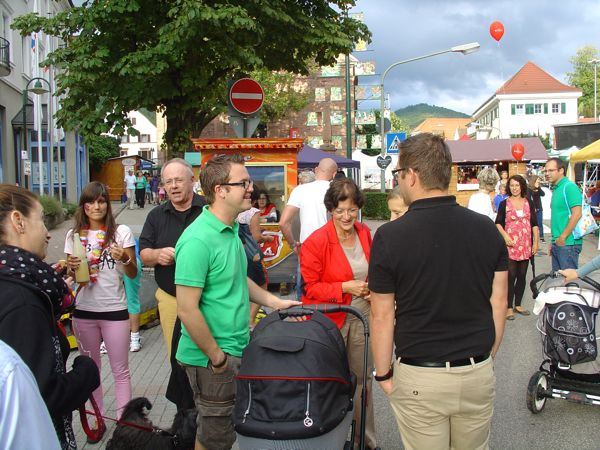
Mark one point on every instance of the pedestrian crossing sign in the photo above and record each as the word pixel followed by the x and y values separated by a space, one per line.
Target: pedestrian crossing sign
pixel 392 142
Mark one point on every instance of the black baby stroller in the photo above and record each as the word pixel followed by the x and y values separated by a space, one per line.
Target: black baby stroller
pixel 295 389
pixel 567 322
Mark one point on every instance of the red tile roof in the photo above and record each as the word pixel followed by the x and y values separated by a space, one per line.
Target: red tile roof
pixel 532 79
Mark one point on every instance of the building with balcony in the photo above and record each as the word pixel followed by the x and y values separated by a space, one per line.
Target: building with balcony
pixel 322 122
pixel 529 103
pixel 65 166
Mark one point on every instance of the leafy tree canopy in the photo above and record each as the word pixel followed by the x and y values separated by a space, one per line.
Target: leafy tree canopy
pixel 582 77
pixel 101 148
pixel 177 55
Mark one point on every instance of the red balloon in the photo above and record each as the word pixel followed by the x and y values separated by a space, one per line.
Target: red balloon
pixel 497 30
pixel 518 151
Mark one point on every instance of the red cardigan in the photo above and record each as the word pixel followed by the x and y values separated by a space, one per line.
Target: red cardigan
pixel 324 267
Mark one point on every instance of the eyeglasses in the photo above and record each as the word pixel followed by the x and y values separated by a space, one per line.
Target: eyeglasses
pixel 341 212
pixel 174 181
pixel 246 184
pixel 395 172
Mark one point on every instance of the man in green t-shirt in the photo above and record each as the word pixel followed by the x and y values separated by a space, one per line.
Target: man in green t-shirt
pixel 212 298
pixel 566 212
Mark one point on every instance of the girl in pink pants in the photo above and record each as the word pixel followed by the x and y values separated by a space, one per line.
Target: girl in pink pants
pixel 101 311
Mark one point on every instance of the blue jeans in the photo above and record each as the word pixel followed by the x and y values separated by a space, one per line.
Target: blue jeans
pixel 566 257
pixel 540 221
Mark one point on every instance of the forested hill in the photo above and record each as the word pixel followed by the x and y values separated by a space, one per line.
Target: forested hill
pixel 413 115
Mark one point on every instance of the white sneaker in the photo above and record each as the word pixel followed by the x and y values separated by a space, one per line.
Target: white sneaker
pixel 103 348
pixel 135 346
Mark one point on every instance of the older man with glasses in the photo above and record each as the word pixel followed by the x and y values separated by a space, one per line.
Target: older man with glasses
pixel 163 227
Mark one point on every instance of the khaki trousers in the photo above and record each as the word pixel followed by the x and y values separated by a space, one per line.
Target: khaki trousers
pixel 167 308
pixel 353 334
pixel 444 408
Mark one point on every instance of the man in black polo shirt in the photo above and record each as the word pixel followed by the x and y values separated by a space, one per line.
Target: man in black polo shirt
pixel 162 229
pixel 438 281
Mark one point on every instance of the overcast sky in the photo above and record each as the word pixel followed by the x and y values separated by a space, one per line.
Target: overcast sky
pixel 545 32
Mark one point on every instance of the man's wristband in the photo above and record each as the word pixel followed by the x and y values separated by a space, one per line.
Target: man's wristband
pixel 221 364
pixel 387 376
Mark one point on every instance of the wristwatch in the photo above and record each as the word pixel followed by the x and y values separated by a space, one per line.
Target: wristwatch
pixel 387 376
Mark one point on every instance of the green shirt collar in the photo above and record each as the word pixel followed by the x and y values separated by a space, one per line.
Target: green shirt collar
pixel 212 221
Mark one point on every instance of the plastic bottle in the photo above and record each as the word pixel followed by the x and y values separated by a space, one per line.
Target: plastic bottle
pixel 82 274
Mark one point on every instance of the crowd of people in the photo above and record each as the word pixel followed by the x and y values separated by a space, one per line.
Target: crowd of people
pixel 437 320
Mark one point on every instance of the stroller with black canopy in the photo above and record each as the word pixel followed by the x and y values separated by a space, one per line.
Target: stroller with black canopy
pixel 567 323
pixel 294 388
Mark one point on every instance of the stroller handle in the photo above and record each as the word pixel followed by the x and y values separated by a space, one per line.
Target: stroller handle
pixel 307 310
pixel 544 276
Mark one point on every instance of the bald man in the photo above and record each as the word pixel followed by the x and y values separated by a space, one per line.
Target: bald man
pixel 307 199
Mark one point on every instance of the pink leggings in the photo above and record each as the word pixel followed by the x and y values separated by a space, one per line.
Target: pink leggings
pixel 115 333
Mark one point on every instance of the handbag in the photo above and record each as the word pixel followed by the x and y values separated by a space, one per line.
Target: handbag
pixel 587 224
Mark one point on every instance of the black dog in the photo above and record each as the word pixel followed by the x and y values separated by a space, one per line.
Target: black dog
pixel 145 436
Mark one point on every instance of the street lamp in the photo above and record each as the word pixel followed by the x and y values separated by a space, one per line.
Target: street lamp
pixel 37 89
pixel 595 62
pixel 465 49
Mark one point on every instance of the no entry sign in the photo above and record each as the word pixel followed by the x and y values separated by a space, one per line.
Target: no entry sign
pixel 246 96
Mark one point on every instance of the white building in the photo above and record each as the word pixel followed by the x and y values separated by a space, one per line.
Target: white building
pixel 18 56
pixel 530 103
pixel 144 145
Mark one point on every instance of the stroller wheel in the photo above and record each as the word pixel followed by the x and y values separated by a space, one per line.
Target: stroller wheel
pixel 535 397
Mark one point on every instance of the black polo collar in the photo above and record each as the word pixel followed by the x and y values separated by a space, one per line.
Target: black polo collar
pixel 197 202
pixel 433 202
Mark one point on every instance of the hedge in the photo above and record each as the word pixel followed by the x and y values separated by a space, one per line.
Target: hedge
pixel 52 207
pixel 376 205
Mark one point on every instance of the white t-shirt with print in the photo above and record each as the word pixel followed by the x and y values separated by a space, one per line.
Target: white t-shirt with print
pixel 246 216
pixel 309 199
pixel 107 293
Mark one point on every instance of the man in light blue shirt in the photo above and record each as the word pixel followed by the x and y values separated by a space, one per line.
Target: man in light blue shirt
pixel 130 186
pixel 24 418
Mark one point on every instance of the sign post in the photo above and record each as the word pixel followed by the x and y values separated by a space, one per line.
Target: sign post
pixel 246 97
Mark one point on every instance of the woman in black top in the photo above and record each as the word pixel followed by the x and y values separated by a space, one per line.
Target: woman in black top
pixel 535 194
pixel 32 296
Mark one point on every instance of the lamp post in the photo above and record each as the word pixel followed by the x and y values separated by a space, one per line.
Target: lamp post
pixel 465 49
pixel 37 89
pixel 595 62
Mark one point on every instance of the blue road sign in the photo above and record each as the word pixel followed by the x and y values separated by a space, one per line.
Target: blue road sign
pixel 392 142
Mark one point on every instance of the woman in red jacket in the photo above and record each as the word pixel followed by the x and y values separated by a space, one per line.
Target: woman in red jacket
pixel 334 263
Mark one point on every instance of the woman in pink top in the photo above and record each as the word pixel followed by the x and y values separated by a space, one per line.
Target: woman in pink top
pixel 517 223
pixel 101 311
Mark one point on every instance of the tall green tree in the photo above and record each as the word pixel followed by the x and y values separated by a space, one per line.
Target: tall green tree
pixel 177 55
pixel 101 148
pixel 284 93
pixel 582 77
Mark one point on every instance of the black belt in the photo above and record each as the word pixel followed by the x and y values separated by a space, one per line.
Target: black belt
pixel 456 363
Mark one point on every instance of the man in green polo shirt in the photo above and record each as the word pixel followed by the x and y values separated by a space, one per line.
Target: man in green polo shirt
pixel 212 298
pixel 566 212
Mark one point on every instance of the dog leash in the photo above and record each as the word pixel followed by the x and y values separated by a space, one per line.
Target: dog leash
pixel 96 434
pixel 96 413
